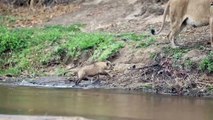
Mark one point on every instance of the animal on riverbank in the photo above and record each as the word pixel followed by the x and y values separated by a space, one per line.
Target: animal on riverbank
pixel 187 12
pixel 98 68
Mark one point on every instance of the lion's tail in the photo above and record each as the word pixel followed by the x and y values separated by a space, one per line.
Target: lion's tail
pixel 166 11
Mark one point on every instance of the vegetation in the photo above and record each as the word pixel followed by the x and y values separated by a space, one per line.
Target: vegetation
pixel 190 64
pixel 207 63
pixel 142 40
pixel 31 49
pixel 176 53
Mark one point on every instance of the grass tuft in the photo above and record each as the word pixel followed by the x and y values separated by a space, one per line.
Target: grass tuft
pixel 207 63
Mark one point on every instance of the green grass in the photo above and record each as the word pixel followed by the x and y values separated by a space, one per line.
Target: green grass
pixel 176 53
pixel 142 40
pixel 207 63
pixel 31 49
pixel 132 36
pixel 190 64
pixel 153 56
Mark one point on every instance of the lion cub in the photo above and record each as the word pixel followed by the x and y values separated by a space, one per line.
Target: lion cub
pixel 97 68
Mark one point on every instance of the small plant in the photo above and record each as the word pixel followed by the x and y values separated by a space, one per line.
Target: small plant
pixel 106 50
pixel 207 63
pixel 153 55
pixel 210 88
pixel 175 53
pixel 190 64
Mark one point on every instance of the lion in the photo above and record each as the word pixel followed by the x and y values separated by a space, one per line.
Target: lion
pixel 187 12
pixel 97 68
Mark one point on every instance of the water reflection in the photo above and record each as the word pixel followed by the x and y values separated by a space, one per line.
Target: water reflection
pixel 102 104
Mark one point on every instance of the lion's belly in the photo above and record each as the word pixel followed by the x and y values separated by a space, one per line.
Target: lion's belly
pixel 198 13
pixel 197 22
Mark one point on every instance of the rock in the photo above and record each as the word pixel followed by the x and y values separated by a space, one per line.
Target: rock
pixel 120 68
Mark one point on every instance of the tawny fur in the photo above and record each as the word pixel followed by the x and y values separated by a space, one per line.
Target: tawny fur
pixel 97 68
pixel 187 12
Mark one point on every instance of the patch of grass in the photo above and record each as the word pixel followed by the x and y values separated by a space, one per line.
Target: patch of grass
pixel 207 63
pixel 210 88
pixel 190 64
pixel 106 50
pixel 13 40
pixel 142 39
pixel 83 41
pixel 153 55
pixel 104 45
pixel 146 42
pixel 176 53
pixel 10 71
pixel 32 49
pixel 132 36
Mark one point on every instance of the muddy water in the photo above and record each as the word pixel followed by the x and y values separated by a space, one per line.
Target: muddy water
pixel 102 104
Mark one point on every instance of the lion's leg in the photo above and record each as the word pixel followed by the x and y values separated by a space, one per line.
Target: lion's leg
pixel 81 76
pixel 175 30
pixel 172 36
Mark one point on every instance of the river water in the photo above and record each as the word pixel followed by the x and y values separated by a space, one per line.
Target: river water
pixel 102 104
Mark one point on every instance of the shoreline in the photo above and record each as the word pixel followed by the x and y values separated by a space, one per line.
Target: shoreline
pixel 54 82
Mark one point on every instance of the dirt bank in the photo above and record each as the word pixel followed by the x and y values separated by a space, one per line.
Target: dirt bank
pixel 156 68
pixel 113 16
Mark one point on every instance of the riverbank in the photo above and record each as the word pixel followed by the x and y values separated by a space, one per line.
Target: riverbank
pixel 45 54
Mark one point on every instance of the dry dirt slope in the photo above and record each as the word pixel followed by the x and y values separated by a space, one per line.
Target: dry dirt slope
pixel 114 16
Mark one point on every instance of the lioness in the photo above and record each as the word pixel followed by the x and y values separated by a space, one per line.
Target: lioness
pixel 187 12
pixel 97 68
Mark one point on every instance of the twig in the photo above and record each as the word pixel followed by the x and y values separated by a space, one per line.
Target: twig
pixel 154 65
